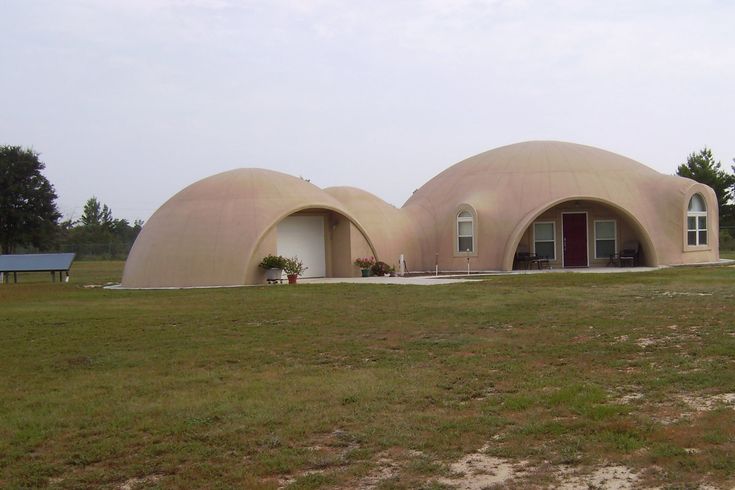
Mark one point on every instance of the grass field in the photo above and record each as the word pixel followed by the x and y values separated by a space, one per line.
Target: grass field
pixel 551 377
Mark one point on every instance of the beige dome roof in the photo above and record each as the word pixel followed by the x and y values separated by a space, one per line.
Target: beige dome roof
pixel 392 230
pixel 206 234
pixel 548 167
pixel 510 186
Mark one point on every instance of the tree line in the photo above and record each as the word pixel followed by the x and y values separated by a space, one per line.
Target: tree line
pixel 30 220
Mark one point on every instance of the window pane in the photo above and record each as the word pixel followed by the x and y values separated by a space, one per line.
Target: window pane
pixel 692 237
pixel 545 249
pixel 702 222
pixel 696 203
pixel 465 243
pixel 703 238
pixel 692 222
pixel 605 248
pixel 465 228
pixel 605 230
pixel 544 231
pixel 465 214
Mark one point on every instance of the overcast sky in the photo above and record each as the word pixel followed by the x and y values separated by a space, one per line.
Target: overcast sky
pixel 132 100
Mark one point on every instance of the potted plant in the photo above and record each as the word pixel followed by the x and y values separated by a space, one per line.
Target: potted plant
pixel 364 264
pixel 380 269
pixel 293 267
pixel 273 265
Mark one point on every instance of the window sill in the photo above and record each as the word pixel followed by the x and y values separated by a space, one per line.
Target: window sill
pixel 462 255
pixel 697 248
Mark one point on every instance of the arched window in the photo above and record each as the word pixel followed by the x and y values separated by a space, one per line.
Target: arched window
pixel 465 232
pixel 697 221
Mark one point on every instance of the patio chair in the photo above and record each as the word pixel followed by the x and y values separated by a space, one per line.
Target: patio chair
pixel 630 254
pixel 523 257
pixel 541 261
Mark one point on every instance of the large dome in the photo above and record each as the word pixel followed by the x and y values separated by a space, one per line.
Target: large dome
pixel 511 186
pixel 536 168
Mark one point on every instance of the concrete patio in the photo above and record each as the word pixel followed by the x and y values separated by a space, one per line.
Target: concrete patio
pixel 443 278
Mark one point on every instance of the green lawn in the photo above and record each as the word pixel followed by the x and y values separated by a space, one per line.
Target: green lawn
pixel 320 385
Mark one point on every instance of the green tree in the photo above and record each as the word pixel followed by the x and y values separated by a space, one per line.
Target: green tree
pixel 28 213
pixel 97 233
pixel 703 168
pixel 96 214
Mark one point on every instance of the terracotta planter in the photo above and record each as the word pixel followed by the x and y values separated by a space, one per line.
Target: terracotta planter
pixel 292 278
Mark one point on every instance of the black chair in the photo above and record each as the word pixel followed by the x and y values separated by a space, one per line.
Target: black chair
pixel 630 254
pixel 523 258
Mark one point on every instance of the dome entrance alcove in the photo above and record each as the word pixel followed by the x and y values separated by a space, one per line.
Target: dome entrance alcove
pixel 583 233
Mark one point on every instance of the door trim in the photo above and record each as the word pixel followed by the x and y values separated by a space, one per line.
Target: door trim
pixel 586 237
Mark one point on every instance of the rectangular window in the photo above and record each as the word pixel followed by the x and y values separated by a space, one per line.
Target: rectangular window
pixel 605 238
pixel 465 244
pixel 696 229
pixel 465 232
pixel 544 240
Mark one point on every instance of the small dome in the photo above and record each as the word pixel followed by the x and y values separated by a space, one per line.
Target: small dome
pixel 205 234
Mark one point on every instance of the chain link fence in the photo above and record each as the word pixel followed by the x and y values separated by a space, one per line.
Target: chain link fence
pixel 727 238
pixel 112 250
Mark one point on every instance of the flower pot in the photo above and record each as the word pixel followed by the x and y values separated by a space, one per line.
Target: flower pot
pixel 273 274
pixel 365 272
pixel 292 278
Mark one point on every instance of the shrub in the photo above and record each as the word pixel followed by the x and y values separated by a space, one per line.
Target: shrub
pixel 380 269
pixel 273 262
pixel 293 266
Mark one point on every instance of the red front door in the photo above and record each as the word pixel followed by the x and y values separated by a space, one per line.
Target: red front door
pixel 574 226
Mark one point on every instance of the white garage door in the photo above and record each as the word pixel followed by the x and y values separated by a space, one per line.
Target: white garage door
pixel 304 236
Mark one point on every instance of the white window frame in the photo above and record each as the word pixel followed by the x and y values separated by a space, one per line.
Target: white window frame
pixel 465 219
pixel 696 215
pixel 615 227
pixel 533 238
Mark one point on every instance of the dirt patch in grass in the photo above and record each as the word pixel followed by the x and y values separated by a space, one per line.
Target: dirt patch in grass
pixel 703 403
pixel 386 469
pixel 672 294
pixel 479 471
pixel 139 482
pixel 684 406
pixel 614 477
